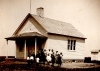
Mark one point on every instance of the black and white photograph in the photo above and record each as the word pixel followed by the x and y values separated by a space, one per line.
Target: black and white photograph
pixel 49 35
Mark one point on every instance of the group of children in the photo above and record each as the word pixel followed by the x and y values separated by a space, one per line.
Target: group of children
pixel 46 56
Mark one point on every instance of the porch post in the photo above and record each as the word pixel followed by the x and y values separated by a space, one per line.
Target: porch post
pixel 25 50
pixel 7 49
pixel 35 45
pixel 15 48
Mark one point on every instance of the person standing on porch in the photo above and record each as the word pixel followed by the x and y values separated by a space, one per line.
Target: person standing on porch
pixel 28 60
pixel 44 55
pixel 37 58
pixel 33 54
pixel 31 59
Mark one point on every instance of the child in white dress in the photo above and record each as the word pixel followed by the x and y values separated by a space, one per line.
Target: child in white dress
pixel 48 58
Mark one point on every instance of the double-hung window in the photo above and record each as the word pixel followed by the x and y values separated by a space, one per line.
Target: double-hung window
pixel 71 44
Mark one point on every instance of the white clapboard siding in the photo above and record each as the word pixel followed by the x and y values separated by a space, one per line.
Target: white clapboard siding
pixel 98 55
pixel 60 43
pixel 18 53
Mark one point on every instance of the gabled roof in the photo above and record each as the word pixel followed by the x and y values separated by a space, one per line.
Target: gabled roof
pixel 54 26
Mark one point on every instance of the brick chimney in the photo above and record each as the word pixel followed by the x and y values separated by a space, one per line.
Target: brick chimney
pixel 40 11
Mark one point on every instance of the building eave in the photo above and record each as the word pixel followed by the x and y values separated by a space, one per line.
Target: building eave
pixel 66 35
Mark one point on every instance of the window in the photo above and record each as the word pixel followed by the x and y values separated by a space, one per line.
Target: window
pixel 21 48
pixel 20 45
pixel 71 44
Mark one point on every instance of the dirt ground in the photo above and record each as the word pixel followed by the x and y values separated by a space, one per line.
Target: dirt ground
pixel 22 66
pixel 80 65
pixel 64 65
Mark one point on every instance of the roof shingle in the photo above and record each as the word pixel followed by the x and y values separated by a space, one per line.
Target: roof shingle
pixel 58 27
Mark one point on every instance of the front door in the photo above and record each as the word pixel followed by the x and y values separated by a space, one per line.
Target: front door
pixel 30 44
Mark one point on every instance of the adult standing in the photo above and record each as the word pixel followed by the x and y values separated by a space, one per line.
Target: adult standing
pixel 61 55
pixel 59 60
pixel 49 52
pixel 56 56
pixel 43 57
pixel 52 59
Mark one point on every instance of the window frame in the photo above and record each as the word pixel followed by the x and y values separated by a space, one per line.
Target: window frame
pixel 71 45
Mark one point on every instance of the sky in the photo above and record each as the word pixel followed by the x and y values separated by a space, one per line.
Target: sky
pixel 84 15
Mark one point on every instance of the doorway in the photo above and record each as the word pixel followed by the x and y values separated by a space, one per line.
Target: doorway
pixel 30 44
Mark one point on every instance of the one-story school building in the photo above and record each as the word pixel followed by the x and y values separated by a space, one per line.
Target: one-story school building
pixel 37 32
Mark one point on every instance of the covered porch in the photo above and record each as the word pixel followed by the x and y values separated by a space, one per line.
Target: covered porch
pixel 27 43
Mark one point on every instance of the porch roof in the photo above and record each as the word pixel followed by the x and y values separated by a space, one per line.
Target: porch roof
pixel 26 36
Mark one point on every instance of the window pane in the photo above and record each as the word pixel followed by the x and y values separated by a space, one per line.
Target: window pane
pixel 68 45
pixel 71 44
pixel 74 44
pixel 68 41
pixel 73 47
pixel 21 47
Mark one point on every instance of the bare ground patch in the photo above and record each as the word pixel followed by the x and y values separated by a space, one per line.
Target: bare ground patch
pixel 22 66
